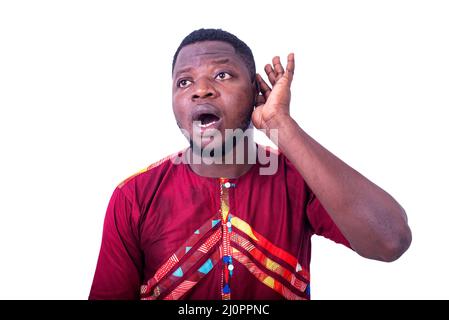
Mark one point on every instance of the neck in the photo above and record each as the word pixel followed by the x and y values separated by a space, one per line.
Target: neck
pixel 227 169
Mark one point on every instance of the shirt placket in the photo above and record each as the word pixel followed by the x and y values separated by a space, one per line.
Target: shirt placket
pixel 226 225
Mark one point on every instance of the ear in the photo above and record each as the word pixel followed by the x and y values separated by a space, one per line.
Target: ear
pixel 256 91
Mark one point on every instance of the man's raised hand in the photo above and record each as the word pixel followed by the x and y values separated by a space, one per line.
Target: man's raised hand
pixel 274 102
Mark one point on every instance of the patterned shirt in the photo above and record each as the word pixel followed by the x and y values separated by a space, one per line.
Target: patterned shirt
pixel 172 234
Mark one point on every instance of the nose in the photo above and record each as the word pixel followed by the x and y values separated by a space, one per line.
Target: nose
pixel 203 89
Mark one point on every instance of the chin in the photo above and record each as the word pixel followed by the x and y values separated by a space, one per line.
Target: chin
pixel 208 147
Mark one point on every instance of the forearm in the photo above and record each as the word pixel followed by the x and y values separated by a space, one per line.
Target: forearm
pixel 371 220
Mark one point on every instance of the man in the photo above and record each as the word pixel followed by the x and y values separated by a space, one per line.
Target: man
pixel 220 229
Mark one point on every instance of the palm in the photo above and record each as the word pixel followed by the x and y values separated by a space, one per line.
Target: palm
pixel 274 102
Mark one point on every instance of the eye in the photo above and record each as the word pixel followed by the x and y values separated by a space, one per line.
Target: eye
pixel 223 76
pixel 183 83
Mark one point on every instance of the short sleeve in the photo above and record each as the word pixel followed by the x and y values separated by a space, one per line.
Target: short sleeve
pixel 321 223
pixel 118 271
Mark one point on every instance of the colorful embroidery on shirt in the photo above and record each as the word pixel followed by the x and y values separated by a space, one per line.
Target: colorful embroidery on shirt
pixel 263 277
pixel 228 266
pixel 172 264
pixel 256 254
pixel 268 246
pixel 216 243
pixel 195 277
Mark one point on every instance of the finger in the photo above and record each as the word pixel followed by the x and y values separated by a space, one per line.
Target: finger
pixel 278 68
pixel 260 99
pixel 290 69
pixel 270 73
pixel 264 87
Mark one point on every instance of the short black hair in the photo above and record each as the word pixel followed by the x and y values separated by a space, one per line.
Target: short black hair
pixel 239 46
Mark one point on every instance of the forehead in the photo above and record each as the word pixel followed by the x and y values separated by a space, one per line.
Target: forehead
pixel 204 52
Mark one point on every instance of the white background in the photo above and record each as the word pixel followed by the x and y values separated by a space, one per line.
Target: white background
pixel 85 101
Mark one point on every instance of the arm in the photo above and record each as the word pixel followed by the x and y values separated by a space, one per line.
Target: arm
pixel 118 272
pixel 371 220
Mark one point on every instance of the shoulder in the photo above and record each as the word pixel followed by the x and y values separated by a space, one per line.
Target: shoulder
pixel 285 171
pixel 149 178
pixel 267 155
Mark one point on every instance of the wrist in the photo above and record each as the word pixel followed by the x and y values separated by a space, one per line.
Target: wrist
pixel 282 130
pixel 280 122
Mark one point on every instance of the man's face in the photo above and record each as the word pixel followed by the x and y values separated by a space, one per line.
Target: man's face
pixel 211 86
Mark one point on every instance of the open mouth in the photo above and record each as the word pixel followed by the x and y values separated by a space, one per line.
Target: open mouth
pixel 207 119
pixel 206 116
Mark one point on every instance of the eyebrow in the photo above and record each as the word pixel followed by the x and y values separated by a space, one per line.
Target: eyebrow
pixel 219 61
pixel 182 71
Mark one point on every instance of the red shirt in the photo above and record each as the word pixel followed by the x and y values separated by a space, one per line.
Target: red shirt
pixel 172 234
